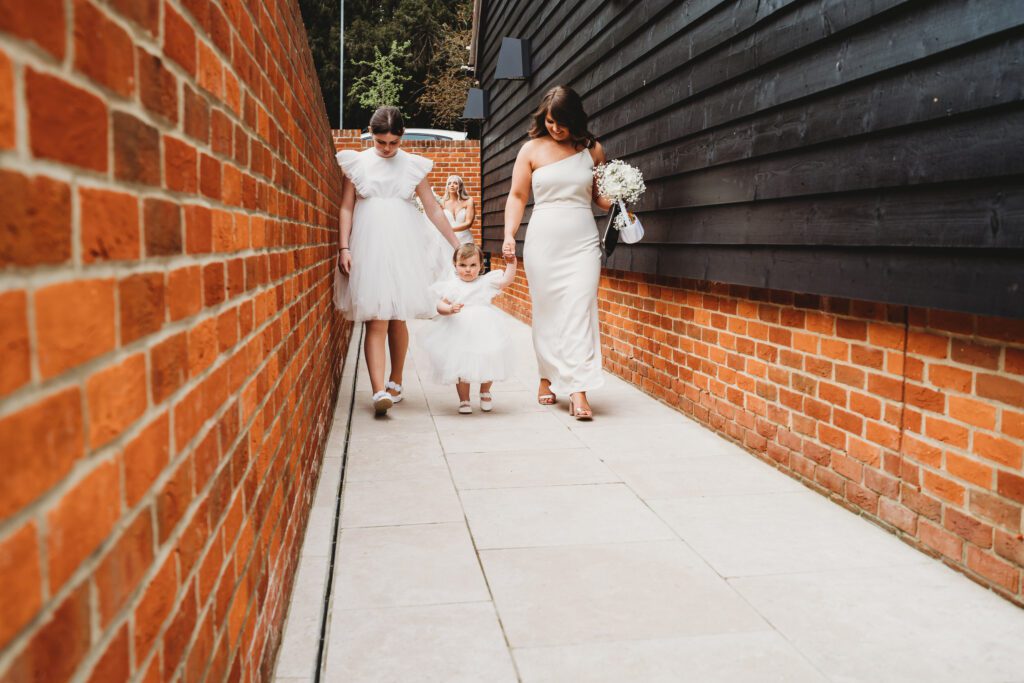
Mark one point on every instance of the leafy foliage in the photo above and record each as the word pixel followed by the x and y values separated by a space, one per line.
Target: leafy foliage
pixel 447 85
pixel 383 85
pixel 372 25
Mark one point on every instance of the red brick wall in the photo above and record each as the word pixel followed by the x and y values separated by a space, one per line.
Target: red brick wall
pixel 913 418
pixel 461 157
pixel 168 211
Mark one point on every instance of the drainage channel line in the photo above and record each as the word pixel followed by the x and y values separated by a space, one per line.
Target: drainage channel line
pixel 322 646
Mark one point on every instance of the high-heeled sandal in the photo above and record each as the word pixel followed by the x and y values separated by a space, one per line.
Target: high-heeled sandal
pixel 465 408
pixel 486 404
pixel 581 414
pixel 394 386
pixel 382 401
pixel 547 399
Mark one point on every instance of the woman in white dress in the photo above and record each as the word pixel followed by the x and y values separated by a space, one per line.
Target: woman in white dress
pixel 459 208
pixel 562 254
pixel 384 278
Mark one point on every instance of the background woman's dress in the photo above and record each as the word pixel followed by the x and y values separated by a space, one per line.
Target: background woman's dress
pixel 465 236
pixel 439 252
pixel 562 257
pixel 389 278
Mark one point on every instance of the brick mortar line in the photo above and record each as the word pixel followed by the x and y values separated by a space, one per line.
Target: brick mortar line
pixel 23 396
pixel 85 571
pixel 78 376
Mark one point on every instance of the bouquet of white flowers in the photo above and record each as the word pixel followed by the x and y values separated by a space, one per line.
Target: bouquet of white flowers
pixel 621 183
pixel 419 204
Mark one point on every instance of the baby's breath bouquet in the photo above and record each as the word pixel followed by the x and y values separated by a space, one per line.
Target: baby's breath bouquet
pixel 623 184
pixel 419 204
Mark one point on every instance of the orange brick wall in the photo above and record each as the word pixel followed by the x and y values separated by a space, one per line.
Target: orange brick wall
pixel 168 212
pixel 913 418
pixel 461 157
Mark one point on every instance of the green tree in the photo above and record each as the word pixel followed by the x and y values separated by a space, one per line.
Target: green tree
pixel 447 84
pixel 382 86
pixel 372 25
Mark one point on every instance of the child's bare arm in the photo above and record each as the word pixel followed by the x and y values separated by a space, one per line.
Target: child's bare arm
pixel 445 307
pixel 510 272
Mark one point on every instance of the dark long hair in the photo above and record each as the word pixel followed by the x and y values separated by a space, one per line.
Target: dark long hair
pixel 387 120
pixel 566 107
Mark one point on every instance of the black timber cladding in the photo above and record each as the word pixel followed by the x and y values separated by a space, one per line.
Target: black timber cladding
pixel 869 149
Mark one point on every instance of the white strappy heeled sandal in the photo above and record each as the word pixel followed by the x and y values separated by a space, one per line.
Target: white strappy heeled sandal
pixel 394 386
pixel 486 404
pixel 382 401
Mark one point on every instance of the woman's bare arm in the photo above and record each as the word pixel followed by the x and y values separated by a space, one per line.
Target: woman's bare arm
pixel 348 202
pixel 518 195
pixel 597 153
pixel 467 222
pixel 435 214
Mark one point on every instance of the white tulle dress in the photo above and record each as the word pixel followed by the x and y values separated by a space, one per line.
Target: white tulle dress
pixel 390 278
pixel 471 345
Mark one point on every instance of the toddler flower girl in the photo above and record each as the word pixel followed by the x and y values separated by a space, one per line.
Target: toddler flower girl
pixel 468 342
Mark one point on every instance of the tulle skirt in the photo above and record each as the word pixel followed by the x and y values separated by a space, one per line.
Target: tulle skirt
pixel 438 253
pixel 471 345
pixel 390 276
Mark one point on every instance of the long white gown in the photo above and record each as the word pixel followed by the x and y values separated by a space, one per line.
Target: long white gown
pixel 562 256
pixel 439 252
pixel 389 278
pixel 466 236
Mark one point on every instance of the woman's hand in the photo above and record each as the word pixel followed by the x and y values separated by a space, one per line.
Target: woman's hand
pixel 508 247
pixel 345 261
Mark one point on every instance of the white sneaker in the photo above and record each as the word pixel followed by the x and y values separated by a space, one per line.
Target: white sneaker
pixel 382 401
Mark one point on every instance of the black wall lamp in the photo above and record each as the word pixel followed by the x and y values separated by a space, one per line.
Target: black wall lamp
pixel 513 59
pixel 477 106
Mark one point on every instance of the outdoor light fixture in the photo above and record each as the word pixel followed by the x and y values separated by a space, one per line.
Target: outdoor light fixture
pixel 513 59
pixel 476 105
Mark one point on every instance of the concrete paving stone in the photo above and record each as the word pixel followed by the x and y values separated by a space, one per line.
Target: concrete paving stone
pixel 498 440
pixel 682 439
pixel 918 622
pixel 392 503
pixel 368 464
pixel 513 469
pixel 762 656
pixel 442 643
pixel 560 515
pixel 301 637
pixel 421 564
pixel 567 595
pixel 780 533
pixel 479 421
pixel 722 474
pixel 319 531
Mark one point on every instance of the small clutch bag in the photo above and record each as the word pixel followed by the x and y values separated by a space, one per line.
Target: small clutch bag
pixel 622 225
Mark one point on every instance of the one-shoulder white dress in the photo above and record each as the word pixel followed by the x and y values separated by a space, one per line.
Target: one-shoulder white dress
pixel 562 257
pixel 390 277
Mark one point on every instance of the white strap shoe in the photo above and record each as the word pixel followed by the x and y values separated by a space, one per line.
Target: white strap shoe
pixel 396 398
pixel 465 408
pixel 382 401
pixel 486 404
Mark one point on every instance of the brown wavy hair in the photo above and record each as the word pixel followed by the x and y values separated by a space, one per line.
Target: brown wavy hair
pixel 566 107
pixel 466 251
pixel 387 120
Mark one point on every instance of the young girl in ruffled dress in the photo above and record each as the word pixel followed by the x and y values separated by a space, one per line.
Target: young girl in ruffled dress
pixel 468 343
pixel 383 279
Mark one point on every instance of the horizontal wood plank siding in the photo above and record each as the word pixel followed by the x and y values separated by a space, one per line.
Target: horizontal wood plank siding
pixel 870 149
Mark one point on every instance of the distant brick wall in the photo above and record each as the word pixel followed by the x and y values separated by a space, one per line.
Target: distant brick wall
pixel 168 212
pixel 912 417
pixel 461 157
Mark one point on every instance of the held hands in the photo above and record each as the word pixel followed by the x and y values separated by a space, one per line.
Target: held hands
pixel 508 247
pixel 511 259
pixel 345 261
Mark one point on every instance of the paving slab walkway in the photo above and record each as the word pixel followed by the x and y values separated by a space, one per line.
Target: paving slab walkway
pixel 523 545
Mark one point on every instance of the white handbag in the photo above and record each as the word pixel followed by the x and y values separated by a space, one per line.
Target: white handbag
pixel 631 230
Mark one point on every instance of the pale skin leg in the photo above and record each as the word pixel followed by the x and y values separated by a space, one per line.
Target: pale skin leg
pixel 398 346
pixel 373 348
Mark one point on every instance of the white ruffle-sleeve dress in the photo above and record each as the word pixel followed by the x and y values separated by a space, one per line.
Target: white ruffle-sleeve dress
pixel 390 278
pixel 471 345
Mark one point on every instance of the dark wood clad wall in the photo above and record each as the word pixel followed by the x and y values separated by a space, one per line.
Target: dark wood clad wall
pixel 871 149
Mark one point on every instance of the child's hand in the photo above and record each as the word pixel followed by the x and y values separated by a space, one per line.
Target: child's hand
pixel 511 260
pixel 457 307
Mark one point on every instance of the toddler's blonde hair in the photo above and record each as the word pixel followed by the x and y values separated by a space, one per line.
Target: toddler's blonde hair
pixel 465 251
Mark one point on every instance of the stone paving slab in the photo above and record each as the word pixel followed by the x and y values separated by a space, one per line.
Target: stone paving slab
pixel 523 545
